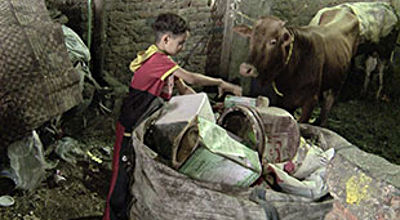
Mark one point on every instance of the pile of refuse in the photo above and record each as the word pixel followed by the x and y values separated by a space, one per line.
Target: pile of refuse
pixel 191 154
pixel 248 143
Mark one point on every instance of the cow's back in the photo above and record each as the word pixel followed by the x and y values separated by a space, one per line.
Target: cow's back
pixel 339 29
pixel 376 19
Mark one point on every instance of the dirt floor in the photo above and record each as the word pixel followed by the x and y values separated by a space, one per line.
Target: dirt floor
pixel 82 194
pixel 371 126
pixel 366 123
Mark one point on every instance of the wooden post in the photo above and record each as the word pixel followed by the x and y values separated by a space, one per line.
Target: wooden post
pixel 97 46
pixel 226 42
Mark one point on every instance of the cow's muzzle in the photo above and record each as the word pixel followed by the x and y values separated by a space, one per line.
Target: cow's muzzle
pixel 248 70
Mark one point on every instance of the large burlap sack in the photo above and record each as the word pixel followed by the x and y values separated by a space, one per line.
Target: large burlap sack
pixel 37 79
pixel 162 193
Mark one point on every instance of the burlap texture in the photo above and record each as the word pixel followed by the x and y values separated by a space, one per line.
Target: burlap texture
pixel 162 193
pixel 37 79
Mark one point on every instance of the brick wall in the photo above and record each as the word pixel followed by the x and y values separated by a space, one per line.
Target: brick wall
pixel 128 30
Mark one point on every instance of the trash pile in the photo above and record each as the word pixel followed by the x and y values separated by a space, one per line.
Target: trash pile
pixel 23 162
pixel 249 143
pixel 245 160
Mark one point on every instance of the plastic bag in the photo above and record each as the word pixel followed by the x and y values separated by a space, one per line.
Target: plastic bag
pixel 27 161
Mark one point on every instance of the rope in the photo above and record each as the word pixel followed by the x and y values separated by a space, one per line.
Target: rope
pixel 245 16
pixel 286 62
pixel 290 51
pixel 276 89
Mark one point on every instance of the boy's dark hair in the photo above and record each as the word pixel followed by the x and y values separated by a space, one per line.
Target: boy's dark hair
pixel 169 22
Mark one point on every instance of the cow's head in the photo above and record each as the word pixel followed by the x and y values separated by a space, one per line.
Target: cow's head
pixel 269 48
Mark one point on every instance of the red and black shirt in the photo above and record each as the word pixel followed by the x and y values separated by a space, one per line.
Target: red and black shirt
pixel 153 78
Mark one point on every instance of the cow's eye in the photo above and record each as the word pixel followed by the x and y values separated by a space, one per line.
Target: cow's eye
pixel 272 42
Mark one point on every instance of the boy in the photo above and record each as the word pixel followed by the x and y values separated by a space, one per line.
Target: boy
pixel 155 75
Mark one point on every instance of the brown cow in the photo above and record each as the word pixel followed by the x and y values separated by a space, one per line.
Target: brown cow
pixel 304 63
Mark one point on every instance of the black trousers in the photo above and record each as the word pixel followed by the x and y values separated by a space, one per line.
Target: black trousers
pixel 120 197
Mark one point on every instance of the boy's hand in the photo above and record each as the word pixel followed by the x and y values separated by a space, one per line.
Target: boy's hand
pixel 229 87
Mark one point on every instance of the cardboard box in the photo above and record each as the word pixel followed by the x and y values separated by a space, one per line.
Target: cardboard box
pixel 173 136
pixel 221 159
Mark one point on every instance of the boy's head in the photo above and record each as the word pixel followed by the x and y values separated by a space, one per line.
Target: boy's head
pixel 171 32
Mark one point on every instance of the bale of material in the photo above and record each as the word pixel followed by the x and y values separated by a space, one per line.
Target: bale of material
pixel 37 79
pixel 365 186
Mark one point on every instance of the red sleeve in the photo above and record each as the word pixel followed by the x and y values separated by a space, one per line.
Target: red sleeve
pixel 152 74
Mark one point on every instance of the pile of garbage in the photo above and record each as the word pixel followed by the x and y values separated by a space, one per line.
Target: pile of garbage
pixel 58 67
pixel 249 143
pixel 187 153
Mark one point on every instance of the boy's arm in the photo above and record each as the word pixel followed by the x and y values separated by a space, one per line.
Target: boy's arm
pixel 202 80
pixel 183 89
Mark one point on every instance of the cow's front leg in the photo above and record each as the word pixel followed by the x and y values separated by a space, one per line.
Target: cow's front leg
pixel 329 99
pixel 381 67
pixel 307 109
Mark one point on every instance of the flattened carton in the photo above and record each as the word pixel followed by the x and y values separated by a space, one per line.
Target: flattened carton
pixel 221 159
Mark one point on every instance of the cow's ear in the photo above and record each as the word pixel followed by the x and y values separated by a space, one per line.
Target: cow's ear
pixel 286 39
pixel 243 30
